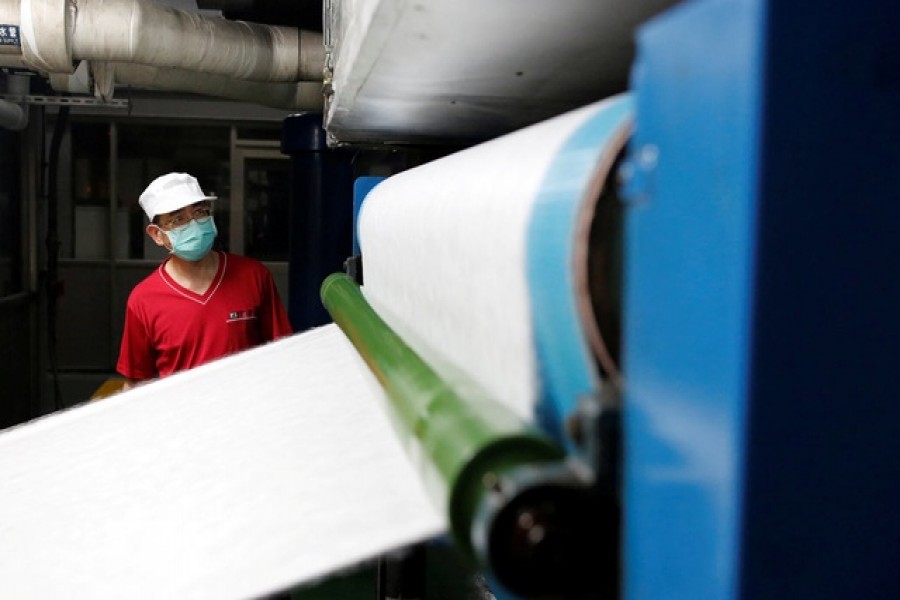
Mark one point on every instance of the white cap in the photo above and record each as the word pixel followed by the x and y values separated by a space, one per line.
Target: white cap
pixel 169 192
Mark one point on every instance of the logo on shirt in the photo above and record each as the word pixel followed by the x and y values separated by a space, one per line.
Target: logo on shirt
pixel 242 315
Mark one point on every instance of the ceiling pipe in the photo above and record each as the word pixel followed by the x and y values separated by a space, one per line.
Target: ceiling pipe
pixel 293 96
pixel 55 33
pixel 10 53
pixel 13 115
pixel 268 65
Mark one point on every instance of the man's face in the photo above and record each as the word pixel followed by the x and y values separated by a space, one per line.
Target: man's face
pixel 177 220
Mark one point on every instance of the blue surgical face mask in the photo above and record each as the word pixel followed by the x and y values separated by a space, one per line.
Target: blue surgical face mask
pixel 194 240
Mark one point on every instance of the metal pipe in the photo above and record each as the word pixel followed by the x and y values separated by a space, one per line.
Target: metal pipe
pixel 162 47
pixel 12 115
pixel 57 32
pixel 294 96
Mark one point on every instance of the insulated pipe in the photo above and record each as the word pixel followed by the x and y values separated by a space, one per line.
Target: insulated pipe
pixel 514 505
pixel 11 53
pixel 47 22
pixel 15 116
pixel 57 32
pixel 296 96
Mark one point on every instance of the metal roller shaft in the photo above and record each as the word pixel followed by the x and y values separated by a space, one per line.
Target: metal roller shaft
pixel 514 506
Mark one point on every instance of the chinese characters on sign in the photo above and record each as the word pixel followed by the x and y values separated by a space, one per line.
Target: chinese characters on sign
pixel 9 35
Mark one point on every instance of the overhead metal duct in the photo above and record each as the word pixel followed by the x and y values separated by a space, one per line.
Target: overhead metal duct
pixel 288 96
pixel 55 34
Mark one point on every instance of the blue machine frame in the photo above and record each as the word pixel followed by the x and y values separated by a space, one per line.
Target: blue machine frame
pixel 761 338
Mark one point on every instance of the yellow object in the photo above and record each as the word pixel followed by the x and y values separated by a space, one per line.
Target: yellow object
pixel 111 386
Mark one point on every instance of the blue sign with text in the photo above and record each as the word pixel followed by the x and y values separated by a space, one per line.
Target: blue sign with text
pixel 9 35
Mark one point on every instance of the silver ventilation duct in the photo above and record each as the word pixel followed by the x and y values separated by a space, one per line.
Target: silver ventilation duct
pixel 270 65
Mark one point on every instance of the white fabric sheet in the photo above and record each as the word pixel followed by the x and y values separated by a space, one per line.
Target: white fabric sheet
pixel 444 253
pixel 241 477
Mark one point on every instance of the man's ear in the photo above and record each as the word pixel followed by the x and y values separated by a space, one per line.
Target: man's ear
pixel 158 236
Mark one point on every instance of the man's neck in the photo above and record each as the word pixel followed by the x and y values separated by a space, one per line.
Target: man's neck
pixel 197 275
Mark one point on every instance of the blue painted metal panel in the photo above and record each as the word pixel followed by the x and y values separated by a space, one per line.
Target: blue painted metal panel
pixel 689 245
pixel 821 516
pixel 761 329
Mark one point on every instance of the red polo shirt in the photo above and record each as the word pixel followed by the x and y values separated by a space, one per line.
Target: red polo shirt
pixel 169 328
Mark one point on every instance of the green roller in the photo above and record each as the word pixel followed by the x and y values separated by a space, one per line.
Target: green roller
pixel 512 504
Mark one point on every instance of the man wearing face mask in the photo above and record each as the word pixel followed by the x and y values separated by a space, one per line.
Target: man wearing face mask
pixel 199 304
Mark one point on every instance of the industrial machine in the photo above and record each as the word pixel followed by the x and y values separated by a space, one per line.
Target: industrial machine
pixel 758 240
pixel 531 357
pixel 639 335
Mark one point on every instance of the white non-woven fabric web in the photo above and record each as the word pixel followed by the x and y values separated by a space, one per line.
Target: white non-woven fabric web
pixel 444 251
pixel 238 478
